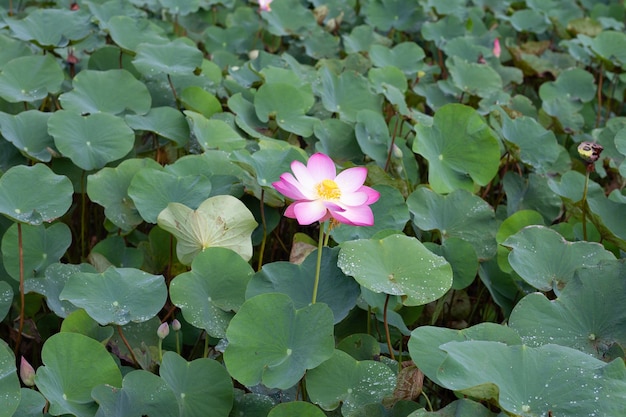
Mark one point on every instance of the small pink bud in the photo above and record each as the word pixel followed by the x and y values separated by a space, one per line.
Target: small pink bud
pixel 163 330
pixel 175 325
pixel 264 5
pixel 496 48
pixel 27 373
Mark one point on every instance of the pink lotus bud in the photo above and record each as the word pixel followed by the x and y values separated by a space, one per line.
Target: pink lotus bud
pixel 163 330
pixel 496 48
pixel 264 5
pixel 175 325
pixel 27 373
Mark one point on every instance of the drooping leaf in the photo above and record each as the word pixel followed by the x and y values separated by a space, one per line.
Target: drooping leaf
pixel 117 295
pixel 272 343
pixel 397 265
pixel 222 221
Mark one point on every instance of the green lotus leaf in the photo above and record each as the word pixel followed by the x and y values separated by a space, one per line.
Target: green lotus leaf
pixel 390 213
pixel 41 247
pixel 74 364
pixel 335 289
pixel 529 20
pixel 510 226
pixel 425 341
pixel 361 346
pixel 347 94
pixel 460 408
pixel 198 100
pixel 251 404
pixel 178 57
pixel 53 282
pixel 28 131
pixel 397 265
pixel 462 257
pixel 532 192
pixel 296 408
pixel 544 259
pixel 128 32
pixel 9 382
pixel 213 290
pixel 246 117
pixel 91 141
pixel 52 199
pixel 152 189
pixel 142 394
pixel 355 383
pixel 80 322
pixel 11 48
pixel 270 163
pixel 6 299
pixel 30 78
pixel 114 91
pixel 214 134
pixel 459 214
pixel 166 122
pixel 142 338
pixel 387 14
pixel 202 387
pixel 362 38
pixel 608 46
pixel 272 343
pixel 109 188
pixel 586 315
pixel 115 251
pixel 31 404
pixel 462 151
pixel 289 17
pixel 117 295
pixel 287 105
pixel 372 135
pixel 473 78
pixel 222 221
pixel 406 56
pixel 52 27
pixel 550 377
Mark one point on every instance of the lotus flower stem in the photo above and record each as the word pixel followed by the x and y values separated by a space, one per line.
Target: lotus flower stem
pixel 130 350
pixel 320 246
pixel 264 225
pixel 584 203
pixel 20 249
pixel 387 335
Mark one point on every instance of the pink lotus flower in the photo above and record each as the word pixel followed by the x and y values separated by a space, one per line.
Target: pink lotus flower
pixel 264 5
pixel 496 48
pixel 320 194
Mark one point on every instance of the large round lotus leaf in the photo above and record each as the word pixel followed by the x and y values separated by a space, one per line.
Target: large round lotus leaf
pixel 129 32
pixel 346 94
pixel 91 141
pixel 444 29
pixel 9 382
pixel 28 131
pixel 462 258
pixel 181 7
pixel 51 27
pixel 109 188
pixel 41 247
pixel 74 365
pixel 214 134
pixel 344 379
pixel 52 284
pixel 6 299
pixel 551 377
pixel 460 408
pixel 335 289
pixel 272 343
pixel 587 316
pixel 289 17
pixel 53 196
pixel 152 189
pixel 178 57
pixel 30 78
pixel 529 20
pixel 459 214
pixel 31 404
pixel 117 295
pixel 198 100
pixel 609 46
pixel 164 121
pixel 287 105
pixel 397 265
pixel 113 91
pixel 213 289
pixel 473 78
pixel 142 394
pixel 202 387
pixel 296 408
pixel 544 259
pixel 221 221
pixel 461 149
pixel 387 14
pixel 80 322
pixel 538 146
pixel 337 140
pixel 425 341
pixel 510 226
pixel 406 56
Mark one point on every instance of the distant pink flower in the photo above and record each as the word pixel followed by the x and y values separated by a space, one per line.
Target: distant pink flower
pixel 320 194
pixel 264 5
pixel 496 48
